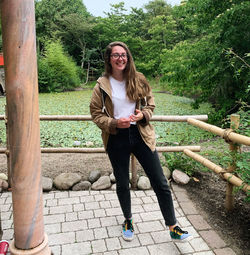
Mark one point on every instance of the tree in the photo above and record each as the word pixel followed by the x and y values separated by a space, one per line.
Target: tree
pixel 158 7
pixel 76 34
pixel 163 30
pixel 204 64
pixel 50 13
pixel 56 70
pixel 159 34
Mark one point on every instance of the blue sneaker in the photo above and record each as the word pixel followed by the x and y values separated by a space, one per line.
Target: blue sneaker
pixel 178 235
pixel 128 230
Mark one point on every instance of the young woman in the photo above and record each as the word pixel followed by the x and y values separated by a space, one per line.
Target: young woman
pixel 121 106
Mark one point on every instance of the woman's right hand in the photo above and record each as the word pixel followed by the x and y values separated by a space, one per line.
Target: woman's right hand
pixel 123 123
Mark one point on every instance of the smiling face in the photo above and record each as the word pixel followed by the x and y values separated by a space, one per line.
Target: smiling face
pixel 118 59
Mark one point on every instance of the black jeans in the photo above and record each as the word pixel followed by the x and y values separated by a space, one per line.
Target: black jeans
pixel 119 148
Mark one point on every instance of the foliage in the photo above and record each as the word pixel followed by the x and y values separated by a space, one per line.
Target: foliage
pixel 157 7
pixel 244 119
pixel 198 49
pixel 242 168
pixel 241 160
pixel 204 65
pixel 57 71
pixel 50 13
pixel 76 34
pixel 178 160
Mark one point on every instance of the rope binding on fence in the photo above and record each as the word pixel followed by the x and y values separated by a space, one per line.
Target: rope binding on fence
pixel 226 134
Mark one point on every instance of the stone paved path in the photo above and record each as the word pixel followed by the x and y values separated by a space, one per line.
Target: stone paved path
pixel 89 222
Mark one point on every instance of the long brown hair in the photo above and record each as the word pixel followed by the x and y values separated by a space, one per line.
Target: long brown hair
pixel 136 84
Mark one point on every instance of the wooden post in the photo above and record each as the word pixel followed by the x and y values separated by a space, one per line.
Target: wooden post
pixel 134 172
pixel 19 47
pixel 229 203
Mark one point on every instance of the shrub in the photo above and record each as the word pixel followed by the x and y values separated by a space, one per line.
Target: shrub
pixel 56 70
pixel 178 160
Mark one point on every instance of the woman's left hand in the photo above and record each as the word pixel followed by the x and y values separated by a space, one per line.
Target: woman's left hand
pixel 136 117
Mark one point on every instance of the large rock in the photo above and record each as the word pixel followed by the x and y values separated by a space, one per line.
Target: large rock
pixel 47 183
pixel 3 185
pixel 94 176
pixel 180 177
pixel 3 177
pixel 102 183
pixel 143 183
pixel 166 172
pixel 112 178
pixel 113 187
pixel 65 181
pixel 84 185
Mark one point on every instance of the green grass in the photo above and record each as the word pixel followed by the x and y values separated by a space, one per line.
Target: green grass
pixel 64 133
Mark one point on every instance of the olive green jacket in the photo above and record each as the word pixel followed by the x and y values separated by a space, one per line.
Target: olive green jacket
pixel 102 112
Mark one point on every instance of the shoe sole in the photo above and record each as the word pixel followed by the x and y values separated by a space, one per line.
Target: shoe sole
pixel 183 240
pixel 128 239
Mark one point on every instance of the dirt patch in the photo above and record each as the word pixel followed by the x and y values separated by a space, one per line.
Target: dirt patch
pixel 208 194
pixel 56 163
pixel 83 164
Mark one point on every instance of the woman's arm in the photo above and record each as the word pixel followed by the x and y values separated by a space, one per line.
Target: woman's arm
pixel 100 117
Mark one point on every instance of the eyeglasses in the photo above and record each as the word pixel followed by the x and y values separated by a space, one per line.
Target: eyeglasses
pixel 117 56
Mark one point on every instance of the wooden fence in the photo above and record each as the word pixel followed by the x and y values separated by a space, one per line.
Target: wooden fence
pixel 195 120
pixel 233 139
pixel 161 118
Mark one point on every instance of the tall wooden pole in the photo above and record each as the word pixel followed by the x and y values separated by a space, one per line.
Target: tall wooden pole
pixel 19 47
pixel 229 202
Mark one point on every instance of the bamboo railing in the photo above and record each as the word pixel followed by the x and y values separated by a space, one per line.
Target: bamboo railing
pixel 224 133
pixel 161 118
pixel 102 150
pixel 233 139
pixel 217 169
pixel 164 118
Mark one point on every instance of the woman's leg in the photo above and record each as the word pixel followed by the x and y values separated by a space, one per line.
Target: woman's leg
pixel 119 155
pixel 152 167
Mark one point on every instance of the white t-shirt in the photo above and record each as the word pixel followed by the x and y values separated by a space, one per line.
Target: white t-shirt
pixel 123 107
